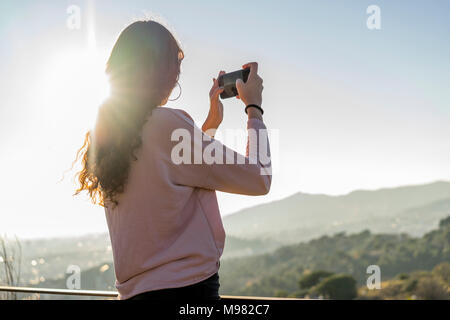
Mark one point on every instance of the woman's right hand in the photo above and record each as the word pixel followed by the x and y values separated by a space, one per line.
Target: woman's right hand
pixel 250 92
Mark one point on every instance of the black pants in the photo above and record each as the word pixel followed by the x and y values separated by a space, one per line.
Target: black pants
pixel 205 290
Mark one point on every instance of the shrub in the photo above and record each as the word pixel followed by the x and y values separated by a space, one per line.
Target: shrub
pixel 410 285
pixel 300 293
pixel 311 279
pixel 281 293
pixel 339 286
pixel 442 271
pixel 403 276
pixel 431 289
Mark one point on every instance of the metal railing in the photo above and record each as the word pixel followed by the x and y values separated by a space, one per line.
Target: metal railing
pixel 111 294
pixel 92 293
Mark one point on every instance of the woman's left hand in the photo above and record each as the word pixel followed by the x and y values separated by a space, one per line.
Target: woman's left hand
pixel 215 115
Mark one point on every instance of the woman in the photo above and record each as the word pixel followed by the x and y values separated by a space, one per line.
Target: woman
pixel 163 218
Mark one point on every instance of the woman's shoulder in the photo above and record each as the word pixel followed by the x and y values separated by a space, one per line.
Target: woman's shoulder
pixel 162 124
pixel 170 112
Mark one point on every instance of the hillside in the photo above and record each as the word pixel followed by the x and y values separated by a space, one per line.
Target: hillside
pixel 266 274
pixel 301 217
pixel 272 273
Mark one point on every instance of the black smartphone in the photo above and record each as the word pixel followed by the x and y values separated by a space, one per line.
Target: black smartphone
pixel 228 82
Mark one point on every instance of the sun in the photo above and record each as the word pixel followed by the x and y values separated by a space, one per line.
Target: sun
pixel 74 85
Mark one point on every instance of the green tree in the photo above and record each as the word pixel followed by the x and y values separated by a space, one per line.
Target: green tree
pixel 444 222
pixel 311 279
pixel 339 286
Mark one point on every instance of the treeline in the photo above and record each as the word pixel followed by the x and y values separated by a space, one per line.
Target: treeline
pixel 280 271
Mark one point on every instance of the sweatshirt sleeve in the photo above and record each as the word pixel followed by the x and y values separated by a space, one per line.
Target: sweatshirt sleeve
pixel 197 160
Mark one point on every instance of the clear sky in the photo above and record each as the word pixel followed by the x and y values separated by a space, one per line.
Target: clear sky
pixel 354 108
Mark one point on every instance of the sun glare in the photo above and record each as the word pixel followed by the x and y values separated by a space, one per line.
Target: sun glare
pixel 75 83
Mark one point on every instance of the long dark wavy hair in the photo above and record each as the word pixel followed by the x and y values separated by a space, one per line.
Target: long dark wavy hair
pixel 143 68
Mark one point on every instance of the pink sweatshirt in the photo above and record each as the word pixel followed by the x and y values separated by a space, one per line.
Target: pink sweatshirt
pixel 167 231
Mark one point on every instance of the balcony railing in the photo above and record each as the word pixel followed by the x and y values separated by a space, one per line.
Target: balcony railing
pixel 111 294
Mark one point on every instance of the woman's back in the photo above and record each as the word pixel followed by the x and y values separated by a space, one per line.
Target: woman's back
pixel 163 234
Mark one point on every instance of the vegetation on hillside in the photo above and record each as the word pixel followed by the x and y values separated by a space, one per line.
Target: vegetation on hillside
pixel 280 271
pixel 328 267
pixel 425 285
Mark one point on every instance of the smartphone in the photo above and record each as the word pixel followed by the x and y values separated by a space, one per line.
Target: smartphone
pixel 228 82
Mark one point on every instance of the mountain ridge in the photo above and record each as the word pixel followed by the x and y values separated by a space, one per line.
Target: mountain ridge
pixel 319 211
pixel 300 193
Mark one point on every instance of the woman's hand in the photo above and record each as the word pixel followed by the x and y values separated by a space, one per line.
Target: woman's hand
pixel 215 115
pixel 250 92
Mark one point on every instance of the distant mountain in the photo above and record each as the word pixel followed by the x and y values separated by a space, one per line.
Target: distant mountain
pixel 414 221
pixel 411 209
